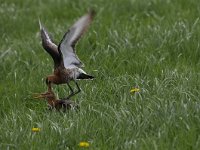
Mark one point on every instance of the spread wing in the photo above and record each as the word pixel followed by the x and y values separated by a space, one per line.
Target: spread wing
pixel 49 46
pixel 67 44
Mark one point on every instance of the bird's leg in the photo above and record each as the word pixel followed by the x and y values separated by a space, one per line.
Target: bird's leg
pixel 72 91
pixel 79 90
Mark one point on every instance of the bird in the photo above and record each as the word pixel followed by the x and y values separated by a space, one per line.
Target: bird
pixel 67 65
pixel 58 104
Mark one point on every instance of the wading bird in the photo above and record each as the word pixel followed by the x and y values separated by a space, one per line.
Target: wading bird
pixel 54 103
pixel 67 65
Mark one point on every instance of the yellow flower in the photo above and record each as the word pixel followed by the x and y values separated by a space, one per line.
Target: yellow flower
pixel 134 90
pixel 35 129
pixel 84 144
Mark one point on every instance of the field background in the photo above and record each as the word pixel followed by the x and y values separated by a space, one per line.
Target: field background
pixel 149 44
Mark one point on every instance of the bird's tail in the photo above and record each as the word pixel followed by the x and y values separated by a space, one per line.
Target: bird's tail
pixel 83 76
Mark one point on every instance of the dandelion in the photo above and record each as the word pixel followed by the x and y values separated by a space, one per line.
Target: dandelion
pixel 35 129
pixel 134 90
pixel 84 144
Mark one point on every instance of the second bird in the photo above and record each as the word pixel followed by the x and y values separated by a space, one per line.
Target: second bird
pixel 67 65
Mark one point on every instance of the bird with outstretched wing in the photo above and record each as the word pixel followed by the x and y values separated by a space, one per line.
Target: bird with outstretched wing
pixel 67 65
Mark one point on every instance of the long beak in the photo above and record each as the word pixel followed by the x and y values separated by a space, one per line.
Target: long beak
pixel 37 95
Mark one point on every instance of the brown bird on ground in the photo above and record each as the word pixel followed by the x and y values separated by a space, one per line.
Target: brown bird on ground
pixel 54 103
pixel 67 65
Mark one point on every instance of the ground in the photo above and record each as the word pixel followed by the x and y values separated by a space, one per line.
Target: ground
pixel 151 45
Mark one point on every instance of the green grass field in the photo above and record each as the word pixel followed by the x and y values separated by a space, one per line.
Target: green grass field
pixel 149 44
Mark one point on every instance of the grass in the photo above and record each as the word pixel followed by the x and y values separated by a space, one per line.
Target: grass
pixel 152 45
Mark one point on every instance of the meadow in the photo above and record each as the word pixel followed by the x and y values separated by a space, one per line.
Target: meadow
pixel 152 45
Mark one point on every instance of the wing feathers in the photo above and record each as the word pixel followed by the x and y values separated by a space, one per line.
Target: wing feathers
pixel 80 27
pixel 67 44
pixel 49 46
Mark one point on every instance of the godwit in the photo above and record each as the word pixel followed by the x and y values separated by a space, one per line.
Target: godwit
pixel 54 103
pixel 67 65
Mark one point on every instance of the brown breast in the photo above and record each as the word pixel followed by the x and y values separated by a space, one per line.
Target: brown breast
pixel 61 75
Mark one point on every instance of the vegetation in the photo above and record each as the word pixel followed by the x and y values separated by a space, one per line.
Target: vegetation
pixel 151 45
